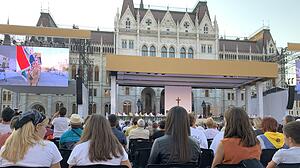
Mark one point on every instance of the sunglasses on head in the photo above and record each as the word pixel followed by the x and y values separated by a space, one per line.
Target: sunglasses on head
pixel 34 116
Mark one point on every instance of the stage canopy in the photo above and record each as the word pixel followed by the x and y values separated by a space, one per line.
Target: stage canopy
pixel 197 73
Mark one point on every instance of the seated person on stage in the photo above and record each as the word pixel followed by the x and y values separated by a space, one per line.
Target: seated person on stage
pixel 239 141
pixel 140 132
pixel 291 133
pixel 60 122
pixel 69 139
pixel 25 146
pixel 211 130
pixel 161 131
pixel 98 145
pixel 176 146
pixel 196 133
pixel 270 139
pixel 119 134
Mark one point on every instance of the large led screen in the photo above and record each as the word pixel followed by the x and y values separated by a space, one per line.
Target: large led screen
pixel 34 66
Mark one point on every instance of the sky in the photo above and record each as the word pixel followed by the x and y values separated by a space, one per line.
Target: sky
pixel 236 18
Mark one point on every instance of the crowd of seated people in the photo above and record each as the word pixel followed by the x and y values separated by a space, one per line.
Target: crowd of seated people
pixel 178 139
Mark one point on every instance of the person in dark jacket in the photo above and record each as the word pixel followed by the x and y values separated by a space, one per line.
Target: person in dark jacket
pixel 176 146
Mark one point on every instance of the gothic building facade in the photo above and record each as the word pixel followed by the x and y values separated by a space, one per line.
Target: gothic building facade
pixel 148 32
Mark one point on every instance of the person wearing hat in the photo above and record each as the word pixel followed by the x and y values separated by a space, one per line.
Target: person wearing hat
pixel 140 132
pixel 25 147
pixel 73 135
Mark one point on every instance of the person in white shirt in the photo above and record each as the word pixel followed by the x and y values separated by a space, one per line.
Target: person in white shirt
pixel 25 147
pixel 98 145
pixel 216 141
pixel 196 133
pixel 292 139
pixel 61 123
pixel 211 130
pixel 7 115
pixel 139 132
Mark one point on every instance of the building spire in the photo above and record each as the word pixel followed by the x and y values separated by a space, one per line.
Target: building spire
pixel 141 5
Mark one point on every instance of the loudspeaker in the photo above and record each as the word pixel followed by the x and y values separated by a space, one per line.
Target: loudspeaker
pixel 291 98
pixel 79 90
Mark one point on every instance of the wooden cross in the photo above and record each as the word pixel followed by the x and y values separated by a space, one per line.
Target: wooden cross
pixel 178 100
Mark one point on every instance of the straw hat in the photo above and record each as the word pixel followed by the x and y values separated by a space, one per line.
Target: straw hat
pixel 75 119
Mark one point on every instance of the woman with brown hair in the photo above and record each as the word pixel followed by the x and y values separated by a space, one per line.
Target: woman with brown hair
pixel 239 141
pixel 98 145
pixel 271 139
pixel 176 146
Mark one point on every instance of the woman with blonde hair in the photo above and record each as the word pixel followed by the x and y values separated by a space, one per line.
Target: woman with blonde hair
pixel 211 130
pixel 257 126
pixel 98 145
pixel 26 147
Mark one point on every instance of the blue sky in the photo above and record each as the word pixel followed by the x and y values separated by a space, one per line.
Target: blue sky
pixel 235 17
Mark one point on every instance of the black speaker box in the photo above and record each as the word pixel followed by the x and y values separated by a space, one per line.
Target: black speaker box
pixel 291 97
pixel 79 90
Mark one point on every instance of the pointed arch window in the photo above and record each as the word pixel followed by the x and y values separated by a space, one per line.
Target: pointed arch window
pixel 164 52
pixel 152 51
pixel 58 105
pixel 80 71
pixel 74 108
pixel 4 96
pixel 107 108
pixel 190 53
pixel 205 29
pixel 90 74
pixel 172 52
pixel 73 72
pixel 127 23
pixel 127 107
pixel 144 50
pixel 96 73
pixel 94 108
pixel 8 96
pixel 182 53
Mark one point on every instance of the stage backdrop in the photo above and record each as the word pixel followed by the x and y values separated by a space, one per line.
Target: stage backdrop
pixel 274 105
pixel 184 93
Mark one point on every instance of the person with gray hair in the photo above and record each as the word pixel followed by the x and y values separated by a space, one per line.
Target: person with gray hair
pixel 288 119
pixel 140 131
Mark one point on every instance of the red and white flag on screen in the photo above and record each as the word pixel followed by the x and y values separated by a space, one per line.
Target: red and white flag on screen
pixel 22 61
